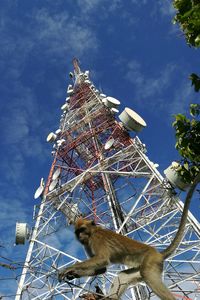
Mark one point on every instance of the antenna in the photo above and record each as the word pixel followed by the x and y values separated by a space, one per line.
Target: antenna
pixel 21 233
pixel 56 174
pixel 102 173
pixel 131 120
pixel 40 189
pixel 76 66
pixel 109 144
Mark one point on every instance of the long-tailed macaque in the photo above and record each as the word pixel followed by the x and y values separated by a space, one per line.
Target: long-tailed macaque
pixel 106 247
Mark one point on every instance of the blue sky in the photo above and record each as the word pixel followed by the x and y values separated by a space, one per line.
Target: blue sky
pixel 134 53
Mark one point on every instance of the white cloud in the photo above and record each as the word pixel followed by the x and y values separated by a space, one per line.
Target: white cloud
pixel 20 134
pixel 139 2
pixel 146 86
pixel 160 88
pixel 88 6
pixel 181 98
pixel 55 35
pixel 165 7
pixel 64 34
pixel 16 126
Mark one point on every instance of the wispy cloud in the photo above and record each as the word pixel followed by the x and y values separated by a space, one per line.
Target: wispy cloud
pixel 148 86
pixel 64 33
pixel 165 7
pixel 88 6
pixel 142 2
pixel 160 88
pixel 53 34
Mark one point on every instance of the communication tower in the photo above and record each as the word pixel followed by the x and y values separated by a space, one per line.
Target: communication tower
pixel 100 170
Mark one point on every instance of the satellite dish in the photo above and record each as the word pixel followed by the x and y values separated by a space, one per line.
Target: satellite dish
pixel 114 110
pixel 40 189
pixel 111 102
pixel 39 192
pixel 21 233
pixel 131 120
pixel 109 144
pixel 70 89
pixel 87 81
pixel 60 142
pixel 58 131
pixel 67 98
pixel 56 174
pixel 51 137
pixel 174 177
pixel 102 95
pixel 53 185
pixel 64 106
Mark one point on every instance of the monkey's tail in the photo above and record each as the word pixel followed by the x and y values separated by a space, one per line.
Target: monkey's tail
pixel 179 235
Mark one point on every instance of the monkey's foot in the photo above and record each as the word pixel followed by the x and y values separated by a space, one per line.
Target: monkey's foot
pixel 89 297
pixel 92 297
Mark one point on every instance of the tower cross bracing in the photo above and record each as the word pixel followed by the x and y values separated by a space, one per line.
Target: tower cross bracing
pixel 104 174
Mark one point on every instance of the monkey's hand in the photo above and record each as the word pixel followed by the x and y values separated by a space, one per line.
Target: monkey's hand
pixel 68 274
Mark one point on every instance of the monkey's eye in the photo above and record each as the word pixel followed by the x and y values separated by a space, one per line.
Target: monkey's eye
pixel 78 231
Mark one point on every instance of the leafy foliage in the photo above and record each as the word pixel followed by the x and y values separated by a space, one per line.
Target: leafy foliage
pixel 188 129
pixel 195 81
pixel 188 142
pixel 188 16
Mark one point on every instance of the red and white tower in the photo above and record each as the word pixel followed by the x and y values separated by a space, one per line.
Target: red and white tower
pixel 101 172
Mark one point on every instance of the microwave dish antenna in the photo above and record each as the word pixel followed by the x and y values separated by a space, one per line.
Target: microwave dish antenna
pixel 51 137
pixel 53 184
pixel 40 189
pixel 56 174
pixel 21 233
pixel 109 144
pixel 131 120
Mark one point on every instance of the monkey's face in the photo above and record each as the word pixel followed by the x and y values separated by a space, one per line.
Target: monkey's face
pixel 83 230
pixel 82 235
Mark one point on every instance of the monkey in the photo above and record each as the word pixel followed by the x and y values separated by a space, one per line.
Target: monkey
pixel 105 247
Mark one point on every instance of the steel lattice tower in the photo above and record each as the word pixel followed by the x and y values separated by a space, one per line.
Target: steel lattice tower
pixel 100 171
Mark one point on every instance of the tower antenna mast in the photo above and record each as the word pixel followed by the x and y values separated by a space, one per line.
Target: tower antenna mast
pixel 101 170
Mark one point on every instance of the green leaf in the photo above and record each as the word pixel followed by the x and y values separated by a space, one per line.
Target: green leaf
pixel 195 79
pixel 194 109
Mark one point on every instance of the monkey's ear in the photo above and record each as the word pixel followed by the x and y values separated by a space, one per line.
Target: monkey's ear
pixel 79 222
